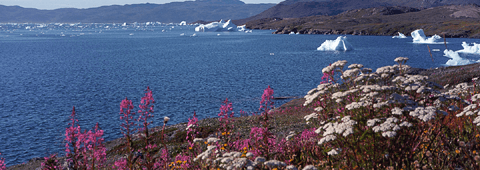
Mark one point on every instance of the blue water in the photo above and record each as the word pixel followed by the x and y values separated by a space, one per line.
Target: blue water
pixel 45 71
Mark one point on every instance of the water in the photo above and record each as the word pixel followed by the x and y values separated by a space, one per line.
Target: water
pixel 47 69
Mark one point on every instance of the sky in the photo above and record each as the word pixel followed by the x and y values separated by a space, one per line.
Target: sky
pixel 55 4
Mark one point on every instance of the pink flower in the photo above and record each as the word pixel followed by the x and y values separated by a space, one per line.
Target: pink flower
pixel 2 163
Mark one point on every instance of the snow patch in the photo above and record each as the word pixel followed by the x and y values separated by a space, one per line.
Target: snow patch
pixel 339 44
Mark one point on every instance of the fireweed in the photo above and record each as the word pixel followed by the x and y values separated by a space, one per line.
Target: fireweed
pixel 50 163
pixel 84 150
pixel 141 156
pixel 2 163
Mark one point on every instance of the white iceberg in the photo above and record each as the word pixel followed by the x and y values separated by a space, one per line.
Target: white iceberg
pixel 219 27
pixel 455 58
pixel 400 35
pixel 420 38
pixel 183 23
pixel 340 44
pixel 474 49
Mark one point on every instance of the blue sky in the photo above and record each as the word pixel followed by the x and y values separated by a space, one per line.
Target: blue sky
pixel 54 4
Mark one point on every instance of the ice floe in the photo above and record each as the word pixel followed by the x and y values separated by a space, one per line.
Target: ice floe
pixel 456 59
pixel 400 35
pixel 420 38
pixel 220 27
pixel 474 49
pixel 340 44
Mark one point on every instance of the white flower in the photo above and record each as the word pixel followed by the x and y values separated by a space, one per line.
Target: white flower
pixel 291 167
pixel 401 59
pixel 407 124
pixel 332 152
pixel 396 128
pixel 425 114
pixel 379 105
pixel 318 109
pixel 328 69
pixel 412 87
pixel 190 126
pixel 274 163
pixel 350 73
pixel 327 139
pixel 475 97
pixel 212 140
pixel 477 121
pixel 166 119
pixel 197 140
pixel 309 167
pixel 372 122
pixel 389 134
pixel 311 116
pixel 397 111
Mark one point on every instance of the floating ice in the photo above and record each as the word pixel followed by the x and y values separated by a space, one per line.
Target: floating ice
pixel 340 44
pixel 183 23
pixel 474 49
pixel 292 33
pixel 456 59
pixel 400 35
pixel 420 38
pixel 219 26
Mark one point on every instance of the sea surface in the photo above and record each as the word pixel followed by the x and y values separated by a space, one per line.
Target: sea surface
pixel 46 69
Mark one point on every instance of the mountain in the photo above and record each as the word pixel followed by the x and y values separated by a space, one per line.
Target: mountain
pixel 460 21
pixel 304 8
pixel 189 11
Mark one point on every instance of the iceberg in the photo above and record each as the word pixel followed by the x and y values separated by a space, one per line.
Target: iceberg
pixel 420 38
pixel 183 23
pixel 474 49
pixel 219 27
pixel 455 58
pixel 340 44
pixel 400 35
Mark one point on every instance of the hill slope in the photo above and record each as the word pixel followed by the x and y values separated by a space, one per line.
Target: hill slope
pixel 304 8
pixel 171 12
pixel 453 20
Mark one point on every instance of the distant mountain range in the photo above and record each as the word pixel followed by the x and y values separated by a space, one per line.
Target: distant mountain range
pixel 304 8
pixel 190 11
